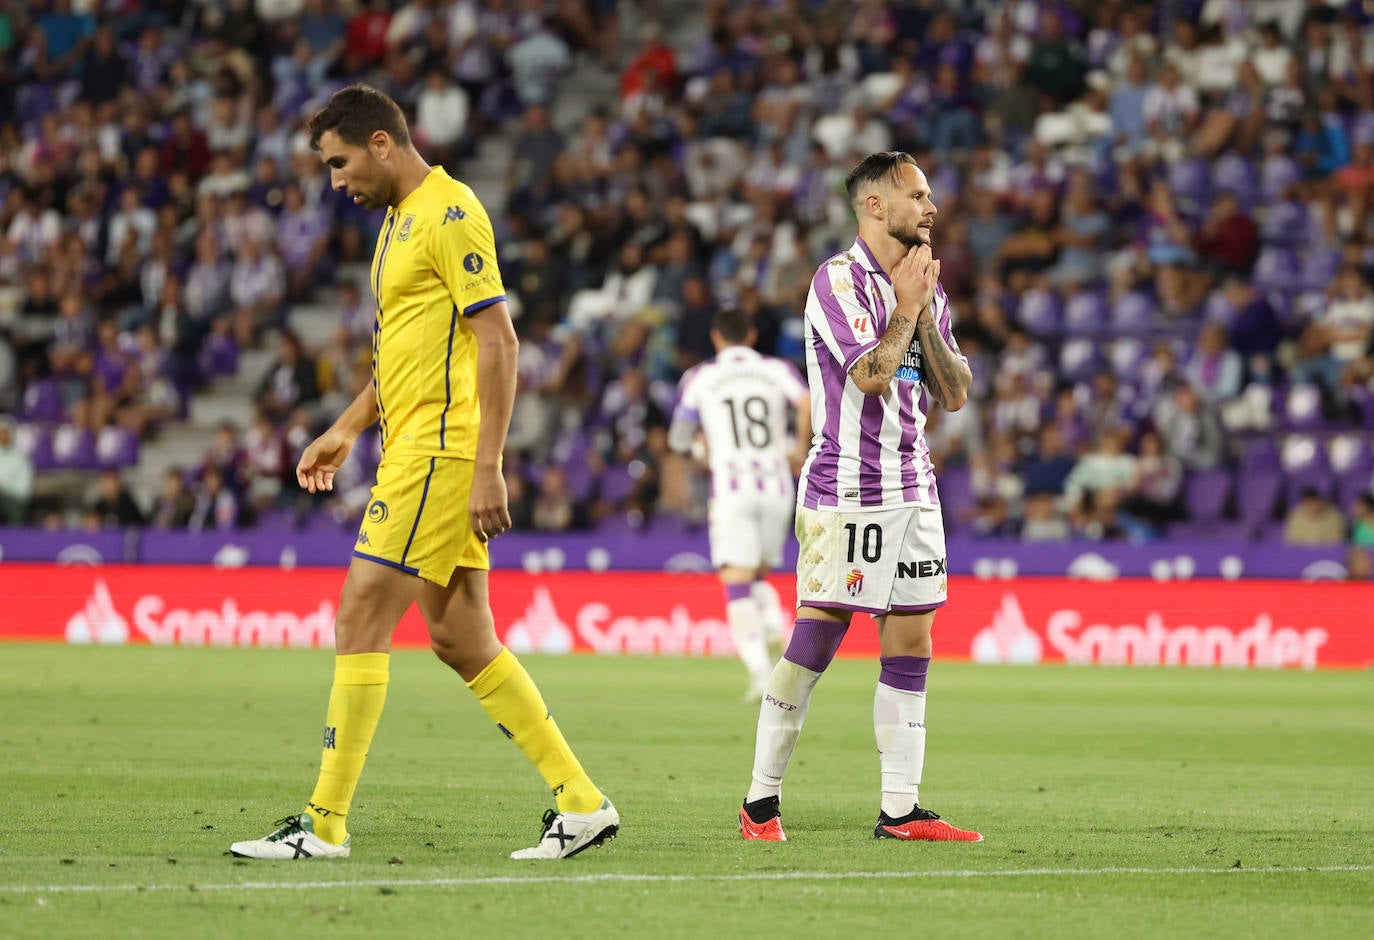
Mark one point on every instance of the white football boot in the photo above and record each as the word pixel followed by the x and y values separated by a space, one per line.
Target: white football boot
pixel 295 838
pixel 566 834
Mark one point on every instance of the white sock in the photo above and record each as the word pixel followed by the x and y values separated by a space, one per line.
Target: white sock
pixel 899 725
pixel 750 643
pixel 780 722
pixel 770 610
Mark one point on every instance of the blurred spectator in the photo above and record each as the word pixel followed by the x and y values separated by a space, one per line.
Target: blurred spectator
pixel 1101 474
pixel 1042 521
pixel 537 62
pixel 1313 521
pixel 1214 370
pixel 554 509
pixel 112 505
pixel 174 503
pixel 216 506
pixel 290 381
pixel 1192 433
pixel 1156 494
pixel 441 117
pixel 1340 333
pixel 16 475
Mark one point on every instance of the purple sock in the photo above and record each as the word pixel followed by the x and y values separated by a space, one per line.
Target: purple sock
pixel 814 643
pixel 736 592
pixel 905 672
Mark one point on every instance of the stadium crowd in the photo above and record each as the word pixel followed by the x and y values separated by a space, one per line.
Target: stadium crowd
pixel 1155 227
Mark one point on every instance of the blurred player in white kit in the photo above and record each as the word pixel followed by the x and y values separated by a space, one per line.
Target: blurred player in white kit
pixel 742 403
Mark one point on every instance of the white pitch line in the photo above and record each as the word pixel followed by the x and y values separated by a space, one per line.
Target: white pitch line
pixel 636 878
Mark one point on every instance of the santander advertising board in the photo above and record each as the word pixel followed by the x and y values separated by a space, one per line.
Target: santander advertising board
pixel 1264 624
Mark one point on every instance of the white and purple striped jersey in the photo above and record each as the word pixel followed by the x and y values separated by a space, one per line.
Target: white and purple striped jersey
pixel 740 400
pixel 868 451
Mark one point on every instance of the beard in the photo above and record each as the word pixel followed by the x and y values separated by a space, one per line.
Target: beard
pixel 911 235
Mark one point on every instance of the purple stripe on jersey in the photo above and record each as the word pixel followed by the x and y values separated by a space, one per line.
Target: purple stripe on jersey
pixel 906 397
pixel 827 463
pixel 863 246
pixel 871 452
pixel 932 494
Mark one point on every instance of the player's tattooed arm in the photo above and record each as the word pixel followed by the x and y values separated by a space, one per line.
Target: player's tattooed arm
pixel 872 372
pixel 947 377
pixel 914 278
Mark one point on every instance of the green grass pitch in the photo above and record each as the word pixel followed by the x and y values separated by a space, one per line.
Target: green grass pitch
pixel 1115 802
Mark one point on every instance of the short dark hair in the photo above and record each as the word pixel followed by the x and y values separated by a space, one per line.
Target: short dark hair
pixel 733 324
pixel 876 168
pixel 356 113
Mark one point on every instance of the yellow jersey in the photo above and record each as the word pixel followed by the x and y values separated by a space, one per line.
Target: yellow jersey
pixel 435 265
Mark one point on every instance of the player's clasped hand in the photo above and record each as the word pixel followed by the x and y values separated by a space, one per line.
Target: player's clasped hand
pixel 488 506
pixel 915 276
pixel 322 459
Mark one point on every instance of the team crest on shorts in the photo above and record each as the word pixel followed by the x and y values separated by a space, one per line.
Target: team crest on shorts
pixel 377 512
pixel 854 582
pixel 404 233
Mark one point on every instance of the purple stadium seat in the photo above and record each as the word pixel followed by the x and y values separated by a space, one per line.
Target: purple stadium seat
pixel 1218 310
pixel 1304 466
pixel 1078 359
pixel 1352 462
pixel 219 356
pixel 1302 406
pixel 42 401
pixel 1284 225
pixel 617 483
pixel 1256 495
pixel 116 448
pixel 1276 269
pixel 956 494
pixel 1085 314
pixel 1039 312
pixel 1277 173
pixel 1231 171
pixel 1132 313
pixel 1258 454
pixel 73 448
pixel 1205 494
pixel 580 479
pixel 1190 179
pixel 1318 267
pixel 1126 354
pixel 35 441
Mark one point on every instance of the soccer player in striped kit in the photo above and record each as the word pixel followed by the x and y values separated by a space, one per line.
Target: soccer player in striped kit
pixel 741 400
pixel 871 538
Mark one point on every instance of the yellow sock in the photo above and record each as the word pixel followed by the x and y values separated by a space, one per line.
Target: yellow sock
pixel 510 697
pixel 355 705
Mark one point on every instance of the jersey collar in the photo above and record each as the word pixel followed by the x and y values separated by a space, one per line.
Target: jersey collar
pixel 866 259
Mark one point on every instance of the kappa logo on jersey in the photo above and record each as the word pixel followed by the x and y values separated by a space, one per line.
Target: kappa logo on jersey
pixel 404 233
pixel 377 511
pixel 473 263
pixel 841 285
pixel 854 582
pixel 363 539
pixel 453 214
pixel 329 734
pixel 920 569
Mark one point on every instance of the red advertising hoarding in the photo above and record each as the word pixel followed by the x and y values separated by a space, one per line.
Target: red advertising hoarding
pixel 1269 624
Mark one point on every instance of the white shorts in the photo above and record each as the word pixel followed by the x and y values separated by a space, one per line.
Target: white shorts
pixel 749 531
pixel 875 562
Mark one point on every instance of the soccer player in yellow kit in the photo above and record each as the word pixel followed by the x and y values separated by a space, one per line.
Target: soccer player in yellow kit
pixel 443 385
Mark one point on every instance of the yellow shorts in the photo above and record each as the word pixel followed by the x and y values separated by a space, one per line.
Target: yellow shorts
pixel 417 519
